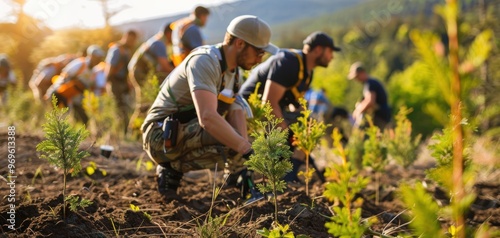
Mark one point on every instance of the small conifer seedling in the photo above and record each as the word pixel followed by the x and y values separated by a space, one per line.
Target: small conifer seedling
pixel 306 135
pixel 375 154
pixel 62 140
pixel 344 182
pixel 272 154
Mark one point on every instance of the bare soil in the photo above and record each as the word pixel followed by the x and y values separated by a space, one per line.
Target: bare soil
pixel 39 202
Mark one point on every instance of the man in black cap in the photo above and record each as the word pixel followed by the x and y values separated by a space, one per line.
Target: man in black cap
pixel 286 77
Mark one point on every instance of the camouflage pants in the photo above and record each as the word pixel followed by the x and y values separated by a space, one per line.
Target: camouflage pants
pixel 195 149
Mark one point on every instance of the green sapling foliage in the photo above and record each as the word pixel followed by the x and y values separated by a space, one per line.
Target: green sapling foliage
pixel 151 88
pixel 103 120
pixel 400 144
pixel 278 232
pixel 255 102
pixel 62 140
pixel 375 155
pixel 442 151
pixel 344 183
pixel 271 156
pixel 424 210
pixel 75 202
pixel 307 132
pixel 355 147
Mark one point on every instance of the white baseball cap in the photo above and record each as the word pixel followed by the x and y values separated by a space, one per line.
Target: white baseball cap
pixel 355 69
pixel 95 50
pixel 254 31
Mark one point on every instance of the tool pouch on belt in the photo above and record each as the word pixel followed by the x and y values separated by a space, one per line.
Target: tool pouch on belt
pixel 170 130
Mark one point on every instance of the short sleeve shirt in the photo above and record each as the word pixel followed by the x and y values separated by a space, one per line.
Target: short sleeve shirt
pixel 79 68
pixel 282 68
pixel 153 49
pixel 118 58
pixel 192 37
pixel 200 71
pixel 375 86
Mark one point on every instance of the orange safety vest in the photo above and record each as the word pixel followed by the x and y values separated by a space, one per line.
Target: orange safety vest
pixel 184 24
pixel 73 86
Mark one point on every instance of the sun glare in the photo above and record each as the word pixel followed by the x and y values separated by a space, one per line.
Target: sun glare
pixel 58 14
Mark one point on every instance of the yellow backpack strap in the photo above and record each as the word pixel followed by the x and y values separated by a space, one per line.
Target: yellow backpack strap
pixel 294 89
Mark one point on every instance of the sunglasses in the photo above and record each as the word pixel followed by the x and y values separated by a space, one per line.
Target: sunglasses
pixel 260 52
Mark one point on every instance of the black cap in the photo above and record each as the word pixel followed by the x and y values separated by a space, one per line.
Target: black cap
pixel 321 39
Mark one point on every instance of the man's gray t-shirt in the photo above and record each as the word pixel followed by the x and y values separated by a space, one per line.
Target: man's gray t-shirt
pixel 118 58
pixel 192 37
pixel 150 50
pixel 201 70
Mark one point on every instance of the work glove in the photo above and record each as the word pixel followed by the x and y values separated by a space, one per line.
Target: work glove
pixel 248 154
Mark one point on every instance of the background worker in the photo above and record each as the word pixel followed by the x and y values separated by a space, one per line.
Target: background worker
pixel 208 131
pixel 7 78
pixel 45 71
pixel 286 77
pixel 374 101
pixel 318 103
pixel 79 75
pixel 186 33
pixel 151 58
pixel 116 73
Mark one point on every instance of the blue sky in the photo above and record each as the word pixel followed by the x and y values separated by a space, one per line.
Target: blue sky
pixel 58 14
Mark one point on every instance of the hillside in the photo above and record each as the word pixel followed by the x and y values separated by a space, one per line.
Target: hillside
pixel 271 11
pixel 369 14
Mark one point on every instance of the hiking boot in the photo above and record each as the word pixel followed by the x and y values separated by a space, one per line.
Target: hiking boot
pixel 168 179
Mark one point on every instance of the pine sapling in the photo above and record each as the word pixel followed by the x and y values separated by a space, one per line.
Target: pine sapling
pixel 271 156
pixel 307 132
pixel 355 147
pixel 60 147
pixel 344 183
pixel 400 143
pixel 424 211
pixel 442 151
pixel 375 155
